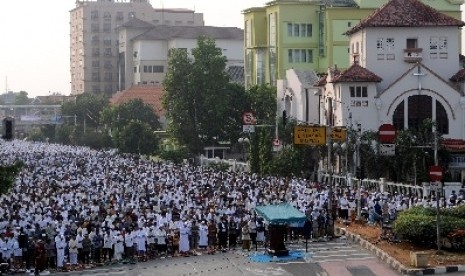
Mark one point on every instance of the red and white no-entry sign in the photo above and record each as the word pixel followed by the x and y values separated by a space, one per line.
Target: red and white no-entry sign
pixel 387 134
pixel 435 173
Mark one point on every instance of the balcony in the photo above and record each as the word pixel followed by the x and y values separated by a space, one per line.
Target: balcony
pixel 412 55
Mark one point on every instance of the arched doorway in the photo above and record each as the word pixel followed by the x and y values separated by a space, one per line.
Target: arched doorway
pixel 416 109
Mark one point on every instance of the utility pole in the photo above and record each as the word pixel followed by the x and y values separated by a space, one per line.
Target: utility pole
pixel 438 191
pixel 330 184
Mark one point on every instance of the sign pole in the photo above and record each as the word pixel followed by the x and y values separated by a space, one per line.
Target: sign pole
pixel 330 186
pixel 438 185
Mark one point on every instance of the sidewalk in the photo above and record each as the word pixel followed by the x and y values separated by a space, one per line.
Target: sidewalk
pixel 393 262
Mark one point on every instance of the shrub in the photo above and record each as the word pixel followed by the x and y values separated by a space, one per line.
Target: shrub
pixel 418 224
pixel 416 228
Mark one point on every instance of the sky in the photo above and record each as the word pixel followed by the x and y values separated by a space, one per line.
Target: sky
pixel 34 43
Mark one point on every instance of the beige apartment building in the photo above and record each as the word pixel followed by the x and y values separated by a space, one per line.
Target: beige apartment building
pixel 94 39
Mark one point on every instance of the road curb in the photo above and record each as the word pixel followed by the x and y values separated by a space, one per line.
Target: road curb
pixel 393 263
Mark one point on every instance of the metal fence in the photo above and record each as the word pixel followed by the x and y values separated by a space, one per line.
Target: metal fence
pixel 234 165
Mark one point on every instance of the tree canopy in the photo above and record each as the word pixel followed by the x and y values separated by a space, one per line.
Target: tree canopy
pixel 202 106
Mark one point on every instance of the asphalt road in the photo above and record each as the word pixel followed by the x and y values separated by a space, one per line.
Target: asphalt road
pixel 338 258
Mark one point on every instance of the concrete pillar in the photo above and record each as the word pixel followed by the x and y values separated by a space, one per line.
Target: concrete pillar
pixel 382 184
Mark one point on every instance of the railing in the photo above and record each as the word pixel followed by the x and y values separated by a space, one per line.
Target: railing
pixel 413 54
pixel 234 165
pixel 372 185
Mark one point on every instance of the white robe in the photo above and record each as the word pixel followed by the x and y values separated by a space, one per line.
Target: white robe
pixel 183 239
pixel 119 247
pixel 141 238
pixel 203 235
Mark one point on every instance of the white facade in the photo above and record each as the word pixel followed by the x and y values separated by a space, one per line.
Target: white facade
pixel 384 52
pixel 145 51
pixel 400 76
pixel 94 60
pixel 299 97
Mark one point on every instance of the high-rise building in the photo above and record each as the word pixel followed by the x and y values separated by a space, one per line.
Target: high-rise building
pixel 307 34
pixel 94 38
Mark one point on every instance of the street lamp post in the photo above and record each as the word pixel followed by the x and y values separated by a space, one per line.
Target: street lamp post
pixel 243 141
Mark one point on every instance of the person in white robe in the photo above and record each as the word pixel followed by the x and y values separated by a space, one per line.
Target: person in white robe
pixel 141 239
pixel 184 239
pixel 73 251
pixel 119 246
pixel 203 235
pixel 60 244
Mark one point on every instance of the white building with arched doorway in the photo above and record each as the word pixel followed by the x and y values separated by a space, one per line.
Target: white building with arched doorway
pixel 405 68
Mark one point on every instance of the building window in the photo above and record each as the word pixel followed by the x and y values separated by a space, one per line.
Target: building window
pixel 358 96
pixel 107 41
pixel 94 15
pixel 95 76
pixel 299 30
pixel 95 64
pixel 94 28
pixel 390 44
pixel 107 16
pixel 107 52
pixel 380 44
pixel 108 65
pixel 442 44
pixel 300 56
pixel 135 69
pixel 106 27
pixel 438 47
pixel 95 40
pixel 131 15
pixel 108 89
pixel 119 16
pixel 96 52
pixel 108 76
pixel 96 88
pixel 385 47
pixel 412 43
pixel 158 68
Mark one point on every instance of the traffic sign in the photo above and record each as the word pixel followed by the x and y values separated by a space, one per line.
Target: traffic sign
pixel 276 142
pixel 248 118
pixel 435 173
pixel 387 149
pixel 338 134
pixel 248 128
pixel 387 134
pixel 309 135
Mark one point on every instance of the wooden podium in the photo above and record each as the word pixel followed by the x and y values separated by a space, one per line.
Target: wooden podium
pixel 276 237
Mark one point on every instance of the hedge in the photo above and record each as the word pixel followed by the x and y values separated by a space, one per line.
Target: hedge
pixel 418 224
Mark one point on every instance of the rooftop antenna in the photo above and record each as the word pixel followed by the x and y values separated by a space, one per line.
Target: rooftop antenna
pixel 6 84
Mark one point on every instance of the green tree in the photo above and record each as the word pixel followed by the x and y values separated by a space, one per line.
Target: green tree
pixel 201 105
pixel 137 137
pixel 117 120
pixel 86 108
pixel 22 98
pixel 262 101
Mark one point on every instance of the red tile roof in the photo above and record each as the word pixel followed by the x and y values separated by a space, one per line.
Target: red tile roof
pixel 459 76
pixel 356 73
pixel 149 94
pixel 322 80
pixel 454 145
pixel 406 13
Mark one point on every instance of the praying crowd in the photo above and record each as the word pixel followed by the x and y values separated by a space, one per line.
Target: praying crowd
pixel 71 207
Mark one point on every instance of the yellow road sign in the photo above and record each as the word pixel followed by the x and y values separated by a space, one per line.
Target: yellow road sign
pixel 309 135
pixel 338 134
